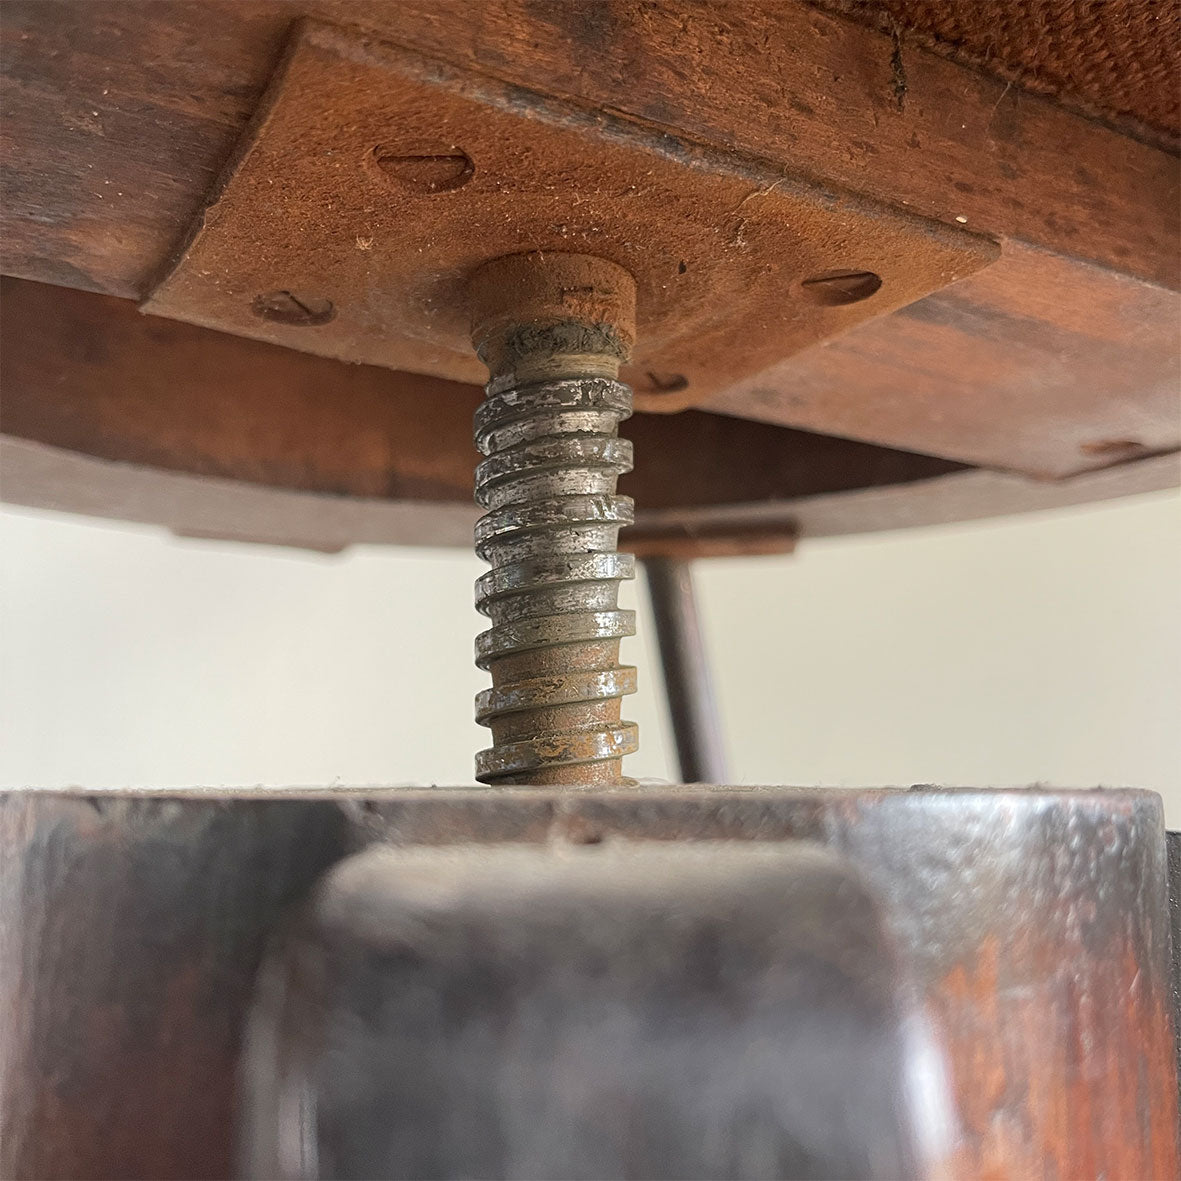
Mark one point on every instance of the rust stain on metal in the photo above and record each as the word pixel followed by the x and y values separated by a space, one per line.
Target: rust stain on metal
pixel 437 170
pixel 553 330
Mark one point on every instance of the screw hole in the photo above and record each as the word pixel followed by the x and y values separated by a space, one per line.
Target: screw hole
pixel 577 830
pixel 293 308
pixel 838 288
pixel 423 172
pixel 664 383
pixel 1113 447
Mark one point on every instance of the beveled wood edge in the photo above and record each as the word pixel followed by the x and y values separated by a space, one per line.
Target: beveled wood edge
pixel 33 475
pixel 971 495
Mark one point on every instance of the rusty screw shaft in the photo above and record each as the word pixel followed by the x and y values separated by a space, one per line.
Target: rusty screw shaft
pixel 549 431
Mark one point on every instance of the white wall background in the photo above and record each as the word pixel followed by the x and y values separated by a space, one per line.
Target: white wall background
pixel 1038 649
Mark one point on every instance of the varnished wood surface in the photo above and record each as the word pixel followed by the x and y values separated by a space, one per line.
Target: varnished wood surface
pixel 653 1010
pixel 119 115
pixel 130 933
pixel 1037 364
pixel 1061 357
pixel 42 477
pixel 90 374
pixel 1035 923
pixel 95 396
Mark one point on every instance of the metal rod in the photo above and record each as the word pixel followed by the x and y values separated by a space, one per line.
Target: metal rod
pixel 553 331
pixel 687 682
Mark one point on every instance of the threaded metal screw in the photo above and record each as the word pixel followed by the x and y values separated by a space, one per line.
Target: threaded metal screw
pixel 553 332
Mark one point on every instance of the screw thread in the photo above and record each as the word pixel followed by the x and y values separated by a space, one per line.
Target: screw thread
pixel 553 457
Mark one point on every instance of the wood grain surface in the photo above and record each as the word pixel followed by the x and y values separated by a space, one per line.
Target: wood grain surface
pixel 335 191
pixel 107 395
pixel 119 116
pixel 1059 358
pixel 1035 922
pixel 651 1010
pixel 90 374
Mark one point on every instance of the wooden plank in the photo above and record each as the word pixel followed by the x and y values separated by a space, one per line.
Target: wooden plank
pixel 1034 923
pixel 638 1010
pixel 89 374
pixel 119 415
pixel 1036 364
pixel 119 116
pixel 41 477
pixel 130 934
pixel 1115 61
